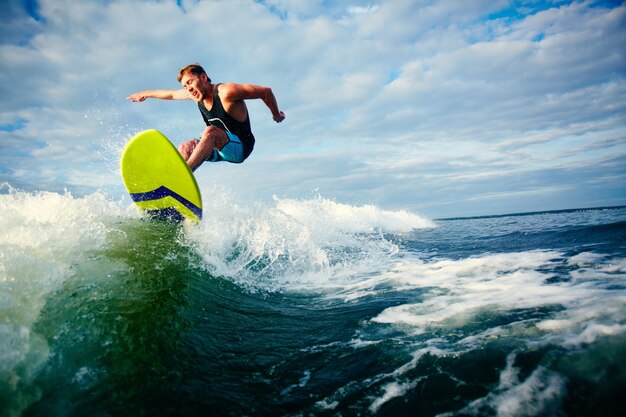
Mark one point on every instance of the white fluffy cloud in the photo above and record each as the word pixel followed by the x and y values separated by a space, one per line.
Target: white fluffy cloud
pixel 442 107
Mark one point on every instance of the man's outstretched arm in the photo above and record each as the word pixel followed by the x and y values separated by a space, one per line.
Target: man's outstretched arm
pixel 160 94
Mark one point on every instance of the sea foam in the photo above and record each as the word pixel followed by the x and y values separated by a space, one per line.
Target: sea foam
pixel 315 244
pixel 460 290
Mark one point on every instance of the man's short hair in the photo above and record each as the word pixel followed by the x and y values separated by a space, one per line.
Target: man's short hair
pixel 194 69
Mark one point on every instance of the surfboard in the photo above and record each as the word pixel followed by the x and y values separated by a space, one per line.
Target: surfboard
pixel 158 179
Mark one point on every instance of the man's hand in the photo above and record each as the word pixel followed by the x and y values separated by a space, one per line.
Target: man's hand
pixel 137 97
pixel 280 117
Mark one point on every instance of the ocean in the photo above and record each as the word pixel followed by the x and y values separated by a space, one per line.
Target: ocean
pixel 308 307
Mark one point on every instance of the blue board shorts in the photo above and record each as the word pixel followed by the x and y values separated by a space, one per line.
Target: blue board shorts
pixel 231 152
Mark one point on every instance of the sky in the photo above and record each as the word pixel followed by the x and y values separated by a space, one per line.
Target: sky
pixel 443 108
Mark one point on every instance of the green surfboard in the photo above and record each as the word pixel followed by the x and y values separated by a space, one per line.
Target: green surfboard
pixel 158 179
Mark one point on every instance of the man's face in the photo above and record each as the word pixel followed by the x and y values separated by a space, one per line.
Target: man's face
pixel 195 86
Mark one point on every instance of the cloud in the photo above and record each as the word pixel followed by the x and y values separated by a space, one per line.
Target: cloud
pixel 418 105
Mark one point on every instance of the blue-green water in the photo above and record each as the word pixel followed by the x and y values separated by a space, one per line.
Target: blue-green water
pixel 308 307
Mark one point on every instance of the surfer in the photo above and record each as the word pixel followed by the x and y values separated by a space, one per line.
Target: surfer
pixel 228 136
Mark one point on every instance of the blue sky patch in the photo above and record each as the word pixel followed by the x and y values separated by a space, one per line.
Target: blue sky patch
pixel 12 127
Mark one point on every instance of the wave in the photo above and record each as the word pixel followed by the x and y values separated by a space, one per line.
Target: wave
pixel 94 295
pixel 57 248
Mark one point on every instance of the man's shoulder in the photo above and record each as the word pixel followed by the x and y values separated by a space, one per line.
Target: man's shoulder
pixel 223 88
pixel 229 91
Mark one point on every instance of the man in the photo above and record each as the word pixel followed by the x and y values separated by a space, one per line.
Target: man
pixel 228 136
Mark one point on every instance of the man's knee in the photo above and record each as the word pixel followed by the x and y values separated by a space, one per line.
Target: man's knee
pixel 186 148
pixel 216 136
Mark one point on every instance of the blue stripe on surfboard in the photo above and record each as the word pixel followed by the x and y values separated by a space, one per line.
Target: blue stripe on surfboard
pixel 163 191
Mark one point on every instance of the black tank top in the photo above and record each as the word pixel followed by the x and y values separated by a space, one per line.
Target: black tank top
pixel 218 117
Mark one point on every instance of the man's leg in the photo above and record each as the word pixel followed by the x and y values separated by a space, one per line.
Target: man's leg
pixel 196 152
